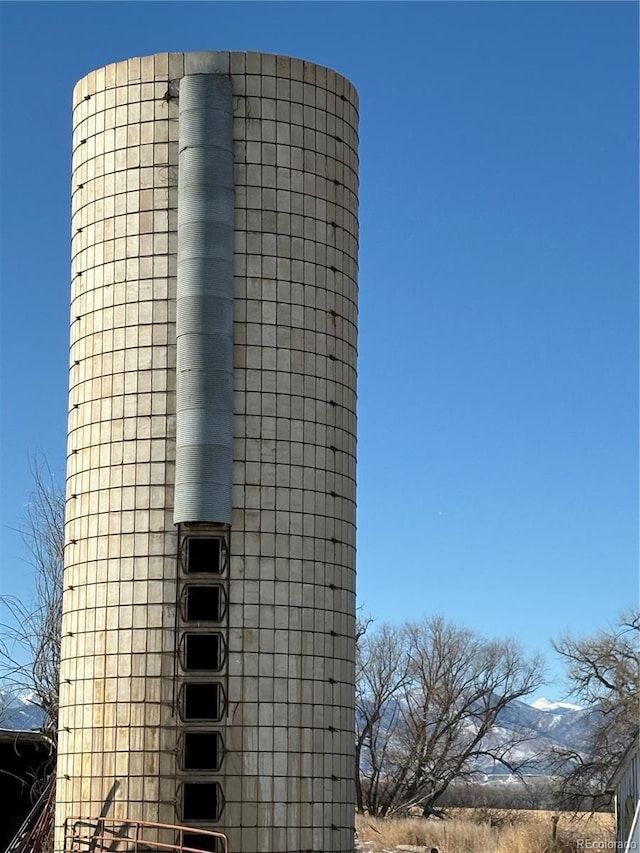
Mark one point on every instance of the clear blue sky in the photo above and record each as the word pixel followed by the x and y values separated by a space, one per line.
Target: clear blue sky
pixel 498 397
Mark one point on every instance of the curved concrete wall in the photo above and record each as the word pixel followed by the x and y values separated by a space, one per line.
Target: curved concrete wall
pixel 287 770
pixel 116 721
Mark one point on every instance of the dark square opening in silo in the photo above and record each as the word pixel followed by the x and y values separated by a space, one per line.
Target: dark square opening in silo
pixel 203 651
pixel 200 801
pixel 203 603
pixel 203 701
pixel 204 556
pixel 202 842
pixel 202 750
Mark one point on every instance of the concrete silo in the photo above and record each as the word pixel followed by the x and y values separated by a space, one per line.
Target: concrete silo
pixel 209 605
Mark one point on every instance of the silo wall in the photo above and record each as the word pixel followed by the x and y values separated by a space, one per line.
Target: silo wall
pixel 282 577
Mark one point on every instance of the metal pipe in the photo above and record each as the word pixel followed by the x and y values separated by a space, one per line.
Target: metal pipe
pixel 204 323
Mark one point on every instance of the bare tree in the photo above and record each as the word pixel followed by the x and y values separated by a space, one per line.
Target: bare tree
pixel 604 675
pixel 382 673
pixel 30 637
pixel 429 694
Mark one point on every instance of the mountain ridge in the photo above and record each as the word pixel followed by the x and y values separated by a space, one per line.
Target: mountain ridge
pixel 536 728
pixel 20 712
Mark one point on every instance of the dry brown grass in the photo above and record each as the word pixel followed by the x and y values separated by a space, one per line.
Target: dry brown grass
pixel 485 831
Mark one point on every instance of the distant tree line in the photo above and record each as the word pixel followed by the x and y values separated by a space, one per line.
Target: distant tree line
pixel 537 792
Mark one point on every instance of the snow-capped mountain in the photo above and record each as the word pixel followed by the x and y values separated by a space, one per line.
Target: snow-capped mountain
pixel 525 734
pixel 543 704
pixel 19 712
pixel 537 729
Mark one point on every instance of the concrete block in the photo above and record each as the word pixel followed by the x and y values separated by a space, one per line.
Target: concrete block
pixel 207 62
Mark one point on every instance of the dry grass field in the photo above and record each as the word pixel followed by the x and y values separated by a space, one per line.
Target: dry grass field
pixel 487 831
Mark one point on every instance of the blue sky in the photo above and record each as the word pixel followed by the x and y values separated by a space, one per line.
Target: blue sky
pixel 498 396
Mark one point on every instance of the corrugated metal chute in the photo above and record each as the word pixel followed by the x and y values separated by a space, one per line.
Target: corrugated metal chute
pixel 204 324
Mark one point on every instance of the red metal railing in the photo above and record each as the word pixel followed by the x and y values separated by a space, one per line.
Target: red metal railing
pixel 88 834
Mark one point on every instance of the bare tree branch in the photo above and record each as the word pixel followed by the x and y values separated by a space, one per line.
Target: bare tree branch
pixel 604 675
pixel 30 637
pixel 428 695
